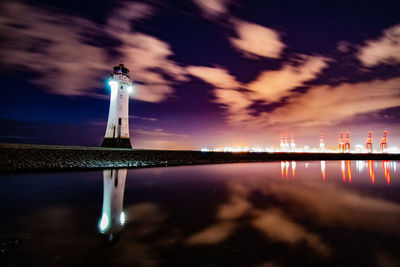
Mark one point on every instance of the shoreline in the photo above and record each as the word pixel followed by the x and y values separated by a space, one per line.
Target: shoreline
pixel 21 158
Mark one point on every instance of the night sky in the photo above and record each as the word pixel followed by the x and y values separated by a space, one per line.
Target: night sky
pixel 207 73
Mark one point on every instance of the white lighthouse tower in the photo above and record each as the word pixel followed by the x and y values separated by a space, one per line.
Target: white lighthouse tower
pixel 117 133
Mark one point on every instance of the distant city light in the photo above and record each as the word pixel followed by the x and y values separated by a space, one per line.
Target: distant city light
pixel 129 89
pixel 344 146
pixel 306 149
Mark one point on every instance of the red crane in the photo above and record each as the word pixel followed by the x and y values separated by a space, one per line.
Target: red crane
pixel 347 142
pixel 384 143
pixel 368 145
pixel 341 145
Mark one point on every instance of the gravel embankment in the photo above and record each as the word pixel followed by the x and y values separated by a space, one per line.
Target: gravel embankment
pixel 23 158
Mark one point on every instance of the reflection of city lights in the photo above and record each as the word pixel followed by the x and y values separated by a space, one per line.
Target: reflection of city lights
pixel 293 168
pixel 323 169
pixel 103 222
pixel 287 169
pixel 360 165
pixel 386 170
pixel 282 168
pixel 371 170
pixel 349 170
pixel 343 168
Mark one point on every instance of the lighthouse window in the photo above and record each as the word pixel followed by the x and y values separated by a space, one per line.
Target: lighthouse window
pixel 122 87
pixel 119 121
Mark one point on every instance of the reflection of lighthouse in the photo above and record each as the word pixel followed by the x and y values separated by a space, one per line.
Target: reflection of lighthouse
pixel 117 133
pixel 113 218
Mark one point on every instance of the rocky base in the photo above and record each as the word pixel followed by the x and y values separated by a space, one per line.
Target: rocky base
pixel 117 142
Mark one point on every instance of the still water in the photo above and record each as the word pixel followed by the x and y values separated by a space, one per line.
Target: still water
pixel 338 213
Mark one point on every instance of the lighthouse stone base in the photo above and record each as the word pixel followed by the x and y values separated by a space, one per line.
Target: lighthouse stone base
pixel 117 142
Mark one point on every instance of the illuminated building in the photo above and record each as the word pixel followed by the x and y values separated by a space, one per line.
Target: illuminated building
pixel 117 132
pixel 112 215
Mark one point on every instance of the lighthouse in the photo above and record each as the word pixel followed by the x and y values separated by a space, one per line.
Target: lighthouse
pixel 117 132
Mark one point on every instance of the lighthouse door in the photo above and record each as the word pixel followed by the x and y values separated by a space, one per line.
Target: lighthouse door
pixel 119 128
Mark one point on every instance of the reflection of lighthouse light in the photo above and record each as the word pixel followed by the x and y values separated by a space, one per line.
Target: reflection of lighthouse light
pixel 122 218
pixel 114 87
pixel 103 222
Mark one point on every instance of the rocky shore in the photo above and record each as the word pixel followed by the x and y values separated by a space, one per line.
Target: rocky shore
pixel 29 158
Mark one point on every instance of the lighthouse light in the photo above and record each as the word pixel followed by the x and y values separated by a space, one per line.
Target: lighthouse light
pixel 114 86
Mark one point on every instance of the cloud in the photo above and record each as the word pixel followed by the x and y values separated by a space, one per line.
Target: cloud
pixel 157 132
pixel 271 86
pixel 212 8
pixel 52 46
pixel 212 235
pixel 343 46
pixel 217 76
pixel 225 90
pixel 268 87
pixel 254 40
pixel 150 60
pixel 277 226
pixel 125 12
pixel 59 49
pixel 143 118
pixel 325 105
pixel 384 50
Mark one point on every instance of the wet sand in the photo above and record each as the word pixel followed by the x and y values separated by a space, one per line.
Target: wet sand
pixel 33 158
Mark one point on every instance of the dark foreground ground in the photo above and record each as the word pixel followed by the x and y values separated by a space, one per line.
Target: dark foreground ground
pixel 20 158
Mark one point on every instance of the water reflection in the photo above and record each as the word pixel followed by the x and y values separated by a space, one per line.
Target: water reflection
pixel 385 164
pixel 293 169
pixel 113 217
pixel 212 215
pixel 371 170
pixel 343 169
pixel 349 170
pixel 322 169
pixel 285 166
